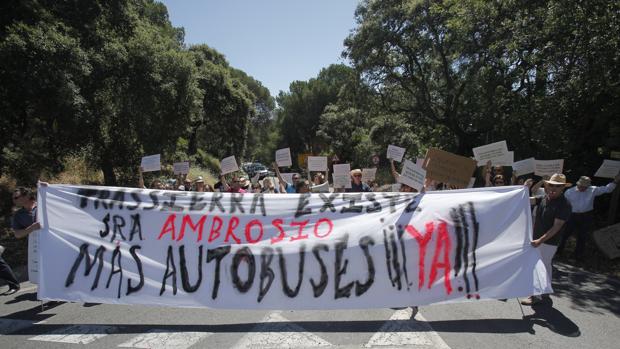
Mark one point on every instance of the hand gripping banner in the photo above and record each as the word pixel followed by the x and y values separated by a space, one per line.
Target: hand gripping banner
pixel 275 251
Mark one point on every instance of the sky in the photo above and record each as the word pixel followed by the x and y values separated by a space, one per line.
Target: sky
pixel 274 41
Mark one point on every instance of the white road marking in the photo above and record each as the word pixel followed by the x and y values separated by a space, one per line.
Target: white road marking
pixel 77 334
pixel 159 338
pixel 275 331
pixel 8 326
pixel 401 330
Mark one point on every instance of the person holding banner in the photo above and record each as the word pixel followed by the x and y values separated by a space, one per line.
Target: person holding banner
pixel 552 212
pixel 268 187
pixel 581 198
pixel 357 185
pixel 288 187
pixel 234 187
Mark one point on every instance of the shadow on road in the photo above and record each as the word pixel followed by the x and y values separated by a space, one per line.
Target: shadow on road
pixel 593 293
pixel 545 315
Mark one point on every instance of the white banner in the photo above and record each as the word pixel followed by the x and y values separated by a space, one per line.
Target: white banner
pixel 297 251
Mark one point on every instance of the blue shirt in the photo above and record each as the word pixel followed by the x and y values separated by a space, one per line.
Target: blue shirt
pixel 23 218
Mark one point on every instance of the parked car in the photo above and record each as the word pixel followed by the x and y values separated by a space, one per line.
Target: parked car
pixel 252 169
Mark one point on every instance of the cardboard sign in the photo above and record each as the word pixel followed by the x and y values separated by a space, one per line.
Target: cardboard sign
pixel 524 167
pixel 288 177
pixel 496 152
pixel 342 169
pixel 229 165
pixel 342 180
pixel 181 167
pixel 395 153
pixel 368 174
pixel 317 163
pixel 609 169
pixel 548 167
pixel 283 157
pixel 412 175
pixel 151 163
pixel 443 166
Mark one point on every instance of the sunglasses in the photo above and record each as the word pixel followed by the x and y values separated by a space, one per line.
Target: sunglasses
pixel 357 175
pixel 499 182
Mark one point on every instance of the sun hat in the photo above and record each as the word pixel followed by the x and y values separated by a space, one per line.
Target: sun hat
pixel 356 171
pixel 558 179
pixel 584 181
pixel 199 179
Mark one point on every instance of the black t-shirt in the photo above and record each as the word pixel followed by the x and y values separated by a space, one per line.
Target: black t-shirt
pixel 23 218
pixel 547 212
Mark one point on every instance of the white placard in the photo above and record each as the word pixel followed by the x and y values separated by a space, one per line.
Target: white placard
pixel 609 169
pixel 288 177
pixel 181 167
pixel 548 167
pixel 151 163
pixel 368 174
pixel 342 180
pixel 524 167
pixel 317 163
pixel 496 152
pixel 412 175
pixel 165 261
pixel 507 160
pixel 229 165
pixel 283 157
pixel 395 153
pixel 342 169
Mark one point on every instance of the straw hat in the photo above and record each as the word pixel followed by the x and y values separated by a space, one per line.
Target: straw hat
pixel 356 171
pixel 558 179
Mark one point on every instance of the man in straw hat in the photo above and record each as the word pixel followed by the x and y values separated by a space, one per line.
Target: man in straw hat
pixel 581 198
pixel 552 211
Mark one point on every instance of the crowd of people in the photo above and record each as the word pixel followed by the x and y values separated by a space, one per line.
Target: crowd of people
pixel 557 213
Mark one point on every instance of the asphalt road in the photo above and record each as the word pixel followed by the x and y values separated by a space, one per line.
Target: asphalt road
pixel 583 313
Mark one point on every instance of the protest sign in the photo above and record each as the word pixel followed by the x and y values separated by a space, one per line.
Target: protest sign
pixel 341 180
pixel 181 167
pixel 229 165
pixel 288 177
pixel 412 175
pixel 496 152
pixel 317 163
pixel 342 169
pixel 548 167
pixel 368 174
pixel 311 251
pixel 151 163
pixel 609 169
pixel 283 157
pixel 446 167
pixel 395 153
pixel 524 167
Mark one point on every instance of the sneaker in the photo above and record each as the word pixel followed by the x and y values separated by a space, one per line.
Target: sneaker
pixel 532 300
pixel 11 291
